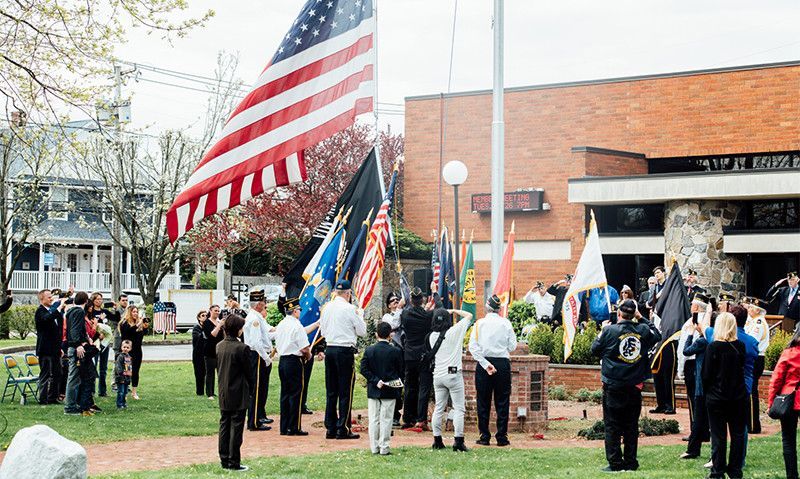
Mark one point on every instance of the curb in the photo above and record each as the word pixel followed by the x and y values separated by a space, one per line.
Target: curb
pixel 31 347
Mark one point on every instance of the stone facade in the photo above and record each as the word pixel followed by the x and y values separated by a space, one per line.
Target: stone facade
pixel 693 235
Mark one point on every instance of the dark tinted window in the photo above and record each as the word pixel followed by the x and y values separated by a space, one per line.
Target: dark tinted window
pixel 754 161
pixel 768 215
pixel 629 218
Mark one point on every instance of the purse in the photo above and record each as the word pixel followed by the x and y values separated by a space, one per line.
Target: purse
pixel 783 405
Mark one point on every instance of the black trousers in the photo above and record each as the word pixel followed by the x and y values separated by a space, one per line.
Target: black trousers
pixel 418 388
pixel 499 386
pixel 211 367
pixel 231 428
pixel 199 365
pixel 136 365
pixel 308 368
pixel 689 377
pixel 291 372
pixel 62 378
pixel 49 377
pixel 754 424
pixel 699 427
pixel 664 379
pixel 339 381
pixel 621 410
pixel 724 416
pixel 789 438
pixel 259 387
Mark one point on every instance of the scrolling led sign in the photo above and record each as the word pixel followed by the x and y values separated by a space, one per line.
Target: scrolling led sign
pixel 514 201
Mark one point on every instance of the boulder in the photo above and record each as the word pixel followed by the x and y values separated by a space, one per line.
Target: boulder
pixel 38 452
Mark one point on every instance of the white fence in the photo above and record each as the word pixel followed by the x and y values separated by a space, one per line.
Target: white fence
pixel 34 281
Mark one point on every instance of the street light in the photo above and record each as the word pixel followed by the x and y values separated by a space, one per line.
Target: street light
pixel 455 174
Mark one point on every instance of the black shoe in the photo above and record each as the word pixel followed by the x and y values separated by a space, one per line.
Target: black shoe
pixel 610 469
pixel 482 442
pixel 349 435
pixel 239 468
pixel 307 411
pixel 406 426
pixel 396 423
pixel 503 442
pixel 266 421
pixel 330 435
pixel 669 411
pixel 437 443
pixel 686 455
pixel 298 433
pixel 459 445
pixel 685 439
pixel 95 408
pixel 261 427
pixel 657 410
pixel 103 395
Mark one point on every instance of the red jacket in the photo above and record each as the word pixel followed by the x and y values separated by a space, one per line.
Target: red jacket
pixel 786 376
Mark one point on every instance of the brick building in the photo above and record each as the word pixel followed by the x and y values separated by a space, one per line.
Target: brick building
pixel 703 166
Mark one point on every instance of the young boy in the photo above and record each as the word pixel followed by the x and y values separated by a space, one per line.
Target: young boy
pixel 382 366
pixel 123 369
pixel 235 373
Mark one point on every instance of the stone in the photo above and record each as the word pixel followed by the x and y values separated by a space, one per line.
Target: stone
pixel 701 248
pixel 687 250
pixel 687 241
pixel 698 239
pixel 715 213
pixel 704 216
pixel 679 221
pixel 39 452
pixel 719 244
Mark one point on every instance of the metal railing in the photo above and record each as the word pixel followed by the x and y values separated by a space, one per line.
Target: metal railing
pixel 30 281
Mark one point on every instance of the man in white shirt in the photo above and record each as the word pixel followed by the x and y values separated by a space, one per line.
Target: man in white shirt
pixel 686 364
pixel 256 334
pixel 491 343
pixel 757 327
pixel 291 341
pixel 395 304
pixel 539 297
pixel 448 379
pixel 341 323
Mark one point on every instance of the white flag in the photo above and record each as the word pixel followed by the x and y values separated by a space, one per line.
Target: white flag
pixel 590 274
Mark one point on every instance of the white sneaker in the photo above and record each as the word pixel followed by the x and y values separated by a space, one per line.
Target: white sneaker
pixel 708 464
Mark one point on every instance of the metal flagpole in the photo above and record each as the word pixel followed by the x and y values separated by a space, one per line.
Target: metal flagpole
pixel 498 133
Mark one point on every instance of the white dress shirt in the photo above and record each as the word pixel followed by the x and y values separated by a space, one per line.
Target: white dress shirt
pixel 393 318
pixel 341 323
pixel 256 335
pixel 492 337
pixel 686 331
pixel 758 328
pixel 544 303
pixel 290 337
pixel 449 353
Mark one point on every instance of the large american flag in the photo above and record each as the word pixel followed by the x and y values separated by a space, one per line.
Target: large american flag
pixel 319 80
pixel 165 317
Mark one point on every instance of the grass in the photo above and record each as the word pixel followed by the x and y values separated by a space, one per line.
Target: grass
pixel 28 341
pixel 169 407
pixel 149 338
pixel 657 462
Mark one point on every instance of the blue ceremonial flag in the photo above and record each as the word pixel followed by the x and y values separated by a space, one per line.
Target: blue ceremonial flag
pixel 445 269
pixel 318 289
pixel 356 251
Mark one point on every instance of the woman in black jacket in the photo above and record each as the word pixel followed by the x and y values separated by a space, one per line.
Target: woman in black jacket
pixel 198 361
pixel 133 328
pixel 212 335
pixel 726 396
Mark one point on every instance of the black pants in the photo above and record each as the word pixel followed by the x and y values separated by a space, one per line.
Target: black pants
pixel 722 416
pixel 789 437
pixel 339 381
pixel 62 379
pixel 699 428
pixel 418 387
pixel 308 367
pixel 211 367
pixel 136 366
pixel 664 379
pixel 754 424
pixel 259 388
pixel 231 427
pixel 199 365
pixel 499 386
pixel 49 377
pixel 290 371
pixel 689 377
pixel 102 370
pixel 621 410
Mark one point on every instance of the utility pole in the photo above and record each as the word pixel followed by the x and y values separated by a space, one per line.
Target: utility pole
pixel 498 134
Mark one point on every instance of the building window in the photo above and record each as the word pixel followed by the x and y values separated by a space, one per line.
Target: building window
pixel 57 206
pixel 768 215
pixel 628 219
pixel 751 161
pixel 72 262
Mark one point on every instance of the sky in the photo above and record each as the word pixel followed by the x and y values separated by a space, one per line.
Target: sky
pixel 545 42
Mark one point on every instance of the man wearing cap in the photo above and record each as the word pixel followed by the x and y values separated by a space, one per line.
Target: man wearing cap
pixel 257 335
pixel 341 323
pixel 686 362
pixel 491 343
pixel 416 325
pixel 691 283
pixel 559 292
pixel 543 301
pixel 394 304
pixel 291 341
pixel 787 293
pixel 757 327
pixel 622 348
pixel 725 302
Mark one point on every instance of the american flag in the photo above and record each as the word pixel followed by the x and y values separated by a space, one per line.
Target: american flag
pixel 319 80
pixel 165 317
pixel 375 254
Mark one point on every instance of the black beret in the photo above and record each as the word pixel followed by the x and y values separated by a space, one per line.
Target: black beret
pixel 628 307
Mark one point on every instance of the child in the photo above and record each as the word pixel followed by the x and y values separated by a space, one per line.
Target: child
pixel 382 366
pixel 123 369
pixel 235 370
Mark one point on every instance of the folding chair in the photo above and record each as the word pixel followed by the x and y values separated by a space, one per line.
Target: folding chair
pixel 17 382
pixel 32 360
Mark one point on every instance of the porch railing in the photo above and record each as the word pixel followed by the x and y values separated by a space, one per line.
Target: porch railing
pixel 29 281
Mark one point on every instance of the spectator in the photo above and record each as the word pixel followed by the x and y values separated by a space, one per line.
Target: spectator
pixel 49 323
pixel 77 340
pixel 102 316
pixel 626 293
pixel 235 373
pixel 696 345
pixel 542 300
pixel 785 380
pixel 115 317
pixel 381 365
pixel 87 367
pixel 559 291
pixel 198 348
pixel 416 324
pixel 726 396
pixel 212 335
pixel 123 370
pixel 133 327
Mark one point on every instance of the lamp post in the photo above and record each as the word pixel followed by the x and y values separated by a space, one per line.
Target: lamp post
pixel 455 174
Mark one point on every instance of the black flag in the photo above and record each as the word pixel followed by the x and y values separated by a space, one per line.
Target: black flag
pixel 673 308
pixel 363 194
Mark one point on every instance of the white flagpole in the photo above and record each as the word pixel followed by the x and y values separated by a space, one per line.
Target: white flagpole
pixel 498 133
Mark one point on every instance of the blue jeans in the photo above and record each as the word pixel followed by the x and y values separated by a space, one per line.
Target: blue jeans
pixel 102 368
pixel 122 390
pixel 73 382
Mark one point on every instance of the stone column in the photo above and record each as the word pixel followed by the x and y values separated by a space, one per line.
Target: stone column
pixel 693 236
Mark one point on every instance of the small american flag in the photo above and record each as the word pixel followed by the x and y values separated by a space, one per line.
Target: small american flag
pixel 165 317
pixel 316 84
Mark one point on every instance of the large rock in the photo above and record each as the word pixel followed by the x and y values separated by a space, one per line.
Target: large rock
pixel 39 452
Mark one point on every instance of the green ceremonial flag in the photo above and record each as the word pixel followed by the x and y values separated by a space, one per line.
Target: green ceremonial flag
pixel 468 283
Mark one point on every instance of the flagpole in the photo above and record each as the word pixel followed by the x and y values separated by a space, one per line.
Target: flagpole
pixel 498 132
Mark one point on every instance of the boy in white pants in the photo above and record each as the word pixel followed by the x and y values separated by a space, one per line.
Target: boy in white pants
pixel 382 366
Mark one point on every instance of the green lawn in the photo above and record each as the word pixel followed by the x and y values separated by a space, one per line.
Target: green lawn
pixel 764 461
pixel 168 407
pixel 28 341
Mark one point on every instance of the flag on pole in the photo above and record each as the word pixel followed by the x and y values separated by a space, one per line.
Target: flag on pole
pixel 375 254
pixel 467 282
pixel 589 274
pixel 502 284
pixel 445 269
pixel 319 287
pixel 435 266
pixel 347 270
pixel 318 81
pixel 672 310
pixel 463 250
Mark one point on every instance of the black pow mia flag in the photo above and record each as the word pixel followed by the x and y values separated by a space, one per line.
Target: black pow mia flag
pixel 673 309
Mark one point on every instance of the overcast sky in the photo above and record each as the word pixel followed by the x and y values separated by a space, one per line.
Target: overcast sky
pixel 545 42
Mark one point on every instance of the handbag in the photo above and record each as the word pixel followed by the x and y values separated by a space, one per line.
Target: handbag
pixel 783 405
pixel 428 358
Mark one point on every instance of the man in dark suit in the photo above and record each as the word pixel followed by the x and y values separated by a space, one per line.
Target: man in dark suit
pixel 559 291
pixel 234 367
pixel 49 321
pixel 787 293
pixel 416 322
pixel 382 366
